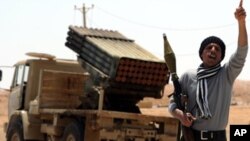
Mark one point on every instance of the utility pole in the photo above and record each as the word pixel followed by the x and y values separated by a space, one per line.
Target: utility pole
pixel 84 11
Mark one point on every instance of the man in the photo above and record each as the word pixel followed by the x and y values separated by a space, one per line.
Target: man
pixel 209 88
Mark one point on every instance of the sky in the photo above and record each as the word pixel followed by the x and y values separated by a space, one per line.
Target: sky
pixel 42 26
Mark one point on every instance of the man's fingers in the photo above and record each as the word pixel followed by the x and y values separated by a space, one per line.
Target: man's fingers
pixel 241 2
pixel 190 117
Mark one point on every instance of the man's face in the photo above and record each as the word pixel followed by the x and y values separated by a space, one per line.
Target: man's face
pixel 211 55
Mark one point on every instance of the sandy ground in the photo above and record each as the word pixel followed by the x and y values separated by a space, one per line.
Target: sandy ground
pixel 3 113
pixel 239 114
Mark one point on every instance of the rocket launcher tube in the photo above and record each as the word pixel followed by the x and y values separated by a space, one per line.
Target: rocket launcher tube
pixel 169 57
pixel 179 97
pixel 171 63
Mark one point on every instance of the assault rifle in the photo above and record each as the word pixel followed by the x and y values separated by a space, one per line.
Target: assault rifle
pixel 179 98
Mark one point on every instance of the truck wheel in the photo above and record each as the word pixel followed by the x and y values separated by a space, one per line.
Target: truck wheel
pixel 15 132
pixel 73 132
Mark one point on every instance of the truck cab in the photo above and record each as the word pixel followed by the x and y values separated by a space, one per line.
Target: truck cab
pixel 25 87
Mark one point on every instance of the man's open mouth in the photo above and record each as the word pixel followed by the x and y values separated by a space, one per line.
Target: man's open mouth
pixel 212 56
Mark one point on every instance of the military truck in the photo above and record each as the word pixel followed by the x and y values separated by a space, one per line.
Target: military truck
pixel 93 98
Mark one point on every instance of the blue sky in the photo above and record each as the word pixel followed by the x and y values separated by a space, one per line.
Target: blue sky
pixel 42 25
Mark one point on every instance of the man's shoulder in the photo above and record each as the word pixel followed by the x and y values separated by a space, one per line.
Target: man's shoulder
pixel 191 73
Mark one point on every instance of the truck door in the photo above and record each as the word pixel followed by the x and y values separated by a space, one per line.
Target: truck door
pixel 16 97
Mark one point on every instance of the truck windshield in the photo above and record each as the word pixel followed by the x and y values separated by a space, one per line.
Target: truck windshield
pixel 21 75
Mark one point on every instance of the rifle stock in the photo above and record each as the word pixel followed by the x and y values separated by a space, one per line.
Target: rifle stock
pixel 179 98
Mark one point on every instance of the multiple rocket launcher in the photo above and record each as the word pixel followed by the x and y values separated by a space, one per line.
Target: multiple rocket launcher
pixel 130 71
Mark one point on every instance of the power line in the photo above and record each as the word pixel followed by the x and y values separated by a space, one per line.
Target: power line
pixel 166 28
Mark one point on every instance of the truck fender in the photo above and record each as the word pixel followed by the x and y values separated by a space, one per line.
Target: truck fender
pixel 30 131
pixel 25 120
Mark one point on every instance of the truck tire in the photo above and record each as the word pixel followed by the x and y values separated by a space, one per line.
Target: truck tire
pixel 15 132
pixel 73 132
